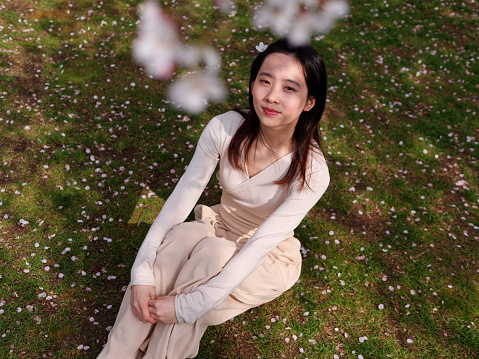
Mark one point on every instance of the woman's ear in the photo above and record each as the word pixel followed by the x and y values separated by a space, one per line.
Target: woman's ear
pixel 310 102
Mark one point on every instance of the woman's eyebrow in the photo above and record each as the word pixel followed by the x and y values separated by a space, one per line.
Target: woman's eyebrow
pixel 294 82
pixel 287 80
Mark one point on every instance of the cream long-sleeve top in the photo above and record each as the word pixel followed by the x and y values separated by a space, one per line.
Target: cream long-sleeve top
pixel 276 211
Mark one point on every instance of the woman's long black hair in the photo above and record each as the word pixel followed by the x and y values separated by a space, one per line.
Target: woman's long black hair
pixel 306 136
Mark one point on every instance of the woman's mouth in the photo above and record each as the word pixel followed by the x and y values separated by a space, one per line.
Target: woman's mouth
pixel 269 111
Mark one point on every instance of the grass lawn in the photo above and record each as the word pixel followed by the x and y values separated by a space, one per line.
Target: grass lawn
pixel 90 148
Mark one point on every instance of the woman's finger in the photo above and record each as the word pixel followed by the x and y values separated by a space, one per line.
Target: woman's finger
pixel 163 309
pixel 140 296
pixel 145 311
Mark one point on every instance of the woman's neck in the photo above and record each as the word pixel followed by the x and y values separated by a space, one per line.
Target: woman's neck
pixel 280 142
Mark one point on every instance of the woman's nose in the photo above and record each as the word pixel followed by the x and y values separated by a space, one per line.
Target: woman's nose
pixel 273 95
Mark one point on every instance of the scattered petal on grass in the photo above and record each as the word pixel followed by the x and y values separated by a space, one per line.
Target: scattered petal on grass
pixel 76 162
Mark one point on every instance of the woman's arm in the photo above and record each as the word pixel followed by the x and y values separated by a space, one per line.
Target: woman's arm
pixel 189 307
pixel 174 211
pixel 181 201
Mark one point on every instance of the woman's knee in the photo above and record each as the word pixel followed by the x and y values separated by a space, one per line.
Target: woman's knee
pixel 189 233
pixel 178 245
pixel 215 250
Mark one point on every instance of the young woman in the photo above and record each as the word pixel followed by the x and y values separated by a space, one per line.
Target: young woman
pixel 240 253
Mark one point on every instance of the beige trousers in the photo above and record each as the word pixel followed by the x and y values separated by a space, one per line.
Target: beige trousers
pixel 191 254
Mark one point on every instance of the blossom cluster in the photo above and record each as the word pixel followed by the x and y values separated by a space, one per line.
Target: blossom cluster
pixel 299 19
pixel 159 48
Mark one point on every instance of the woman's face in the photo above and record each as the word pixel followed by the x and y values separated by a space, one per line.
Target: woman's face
pixel 280 93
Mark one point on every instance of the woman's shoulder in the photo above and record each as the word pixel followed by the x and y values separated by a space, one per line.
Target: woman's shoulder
pixel 227 122
pixel 318 169
pixel 219 132
pixel 318 160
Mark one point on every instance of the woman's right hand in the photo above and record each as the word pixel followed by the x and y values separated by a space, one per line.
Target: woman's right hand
pixel 140 296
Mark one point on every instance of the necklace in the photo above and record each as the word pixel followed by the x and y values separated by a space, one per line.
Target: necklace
pixel 266 144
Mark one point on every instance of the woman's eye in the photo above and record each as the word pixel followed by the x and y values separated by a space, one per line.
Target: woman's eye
pixel 287 88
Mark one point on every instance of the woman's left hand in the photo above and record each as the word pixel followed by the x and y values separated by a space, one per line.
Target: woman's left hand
pixel 163 309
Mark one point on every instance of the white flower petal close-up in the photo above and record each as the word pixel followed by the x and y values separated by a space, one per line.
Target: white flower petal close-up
pixel 157 44
pixel 211 58
pixel 331 12
pixel 261 47
pixel 188 56
pixel 224 5
pixel 303 28
pixel 299 19
pixel 336 8
pixel 277 15
pixel 193 92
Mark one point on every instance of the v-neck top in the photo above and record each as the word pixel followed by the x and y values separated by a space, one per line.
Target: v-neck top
pixel 271 164
pixel 271 212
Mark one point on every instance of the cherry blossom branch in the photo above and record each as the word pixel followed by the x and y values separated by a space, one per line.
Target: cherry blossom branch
pixel 159 49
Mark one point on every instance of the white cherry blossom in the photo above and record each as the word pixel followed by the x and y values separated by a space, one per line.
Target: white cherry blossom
pixel 305 25
pixel 278 15
pixel 261 47
pixel 190 56
pixel 224 5
pixel 157 44
pixel 336 8
pixel 299 19
pixel 332 11
pixel 193 92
